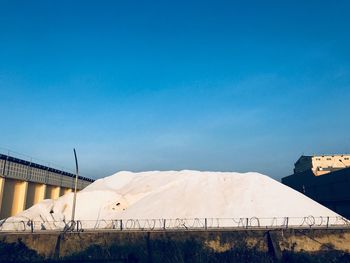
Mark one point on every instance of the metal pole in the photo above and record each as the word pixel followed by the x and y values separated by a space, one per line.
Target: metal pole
pixel 75 184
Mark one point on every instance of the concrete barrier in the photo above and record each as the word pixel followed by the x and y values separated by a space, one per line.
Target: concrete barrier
pixel 145 244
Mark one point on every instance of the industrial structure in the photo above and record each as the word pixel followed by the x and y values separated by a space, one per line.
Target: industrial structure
pixel 324 178
pixel 25 183
pixel 322 164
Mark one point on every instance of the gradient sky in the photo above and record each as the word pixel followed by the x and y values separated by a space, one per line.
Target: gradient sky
pixel 158 85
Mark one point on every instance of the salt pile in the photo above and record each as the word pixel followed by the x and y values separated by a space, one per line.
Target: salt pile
pixel 179 194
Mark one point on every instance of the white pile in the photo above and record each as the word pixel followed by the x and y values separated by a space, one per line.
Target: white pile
pixel 179 194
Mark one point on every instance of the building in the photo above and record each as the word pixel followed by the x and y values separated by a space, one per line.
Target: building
pixel 324 178
pixel 322 164
pixel 25 183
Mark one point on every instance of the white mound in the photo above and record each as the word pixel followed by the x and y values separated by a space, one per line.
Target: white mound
pixel 179 194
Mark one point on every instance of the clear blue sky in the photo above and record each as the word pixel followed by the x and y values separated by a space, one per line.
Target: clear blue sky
pixel 145 85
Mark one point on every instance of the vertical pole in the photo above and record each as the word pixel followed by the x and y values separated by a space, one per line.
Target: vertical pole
pixel 164 220
pixel 75 184
pixel 327 221
pixel 121 224
pixel 205 224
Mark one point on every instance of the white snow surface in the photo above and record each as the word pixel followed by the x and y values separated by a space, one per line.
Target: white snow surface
pixel 179 194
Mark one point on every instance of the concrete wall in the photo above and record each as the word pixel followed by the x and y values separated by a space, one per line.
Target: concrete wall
pixel 148 244
pixel 323 163
pixel 302 164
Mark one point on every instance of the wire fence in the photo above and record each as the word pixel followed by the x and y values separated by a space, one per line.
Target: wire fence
pixel 182 224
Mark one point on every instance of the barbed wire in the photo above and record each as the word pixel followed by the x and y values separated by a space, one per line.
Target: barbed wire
pixel 183 224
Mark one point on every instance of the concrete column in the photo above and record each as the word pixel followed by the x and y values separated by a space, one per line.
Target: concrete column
pixel 7 198
pixel 20 196
pixel 39 193
pixel 55 192
pixel 35 193
pixel 52 192
pixel 67 190
pixel 14 197
pixel 2 183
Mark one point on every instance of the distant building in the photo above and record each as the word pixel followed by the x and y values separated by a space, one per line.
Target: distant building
pixel 324 178
pixel 322 164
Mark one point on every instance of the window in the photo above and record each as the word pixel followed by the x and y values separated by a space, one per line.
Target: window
pixel 346 158
pixel 328 159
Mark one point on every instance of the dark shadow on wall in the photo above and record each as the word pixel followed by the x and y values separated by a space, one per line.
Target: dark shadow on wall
pixel 169 251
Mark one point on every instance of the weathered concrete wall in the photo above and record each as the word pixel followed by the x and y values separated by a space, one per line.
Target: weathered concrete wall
pixel 53 245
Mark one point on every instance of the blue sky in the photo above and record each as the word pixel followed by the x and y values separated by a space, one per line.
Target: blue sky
pixel 158 85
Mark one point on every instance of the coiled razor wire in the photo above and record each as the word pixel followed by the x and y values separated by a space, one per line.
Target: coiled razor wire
pixel 173 224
